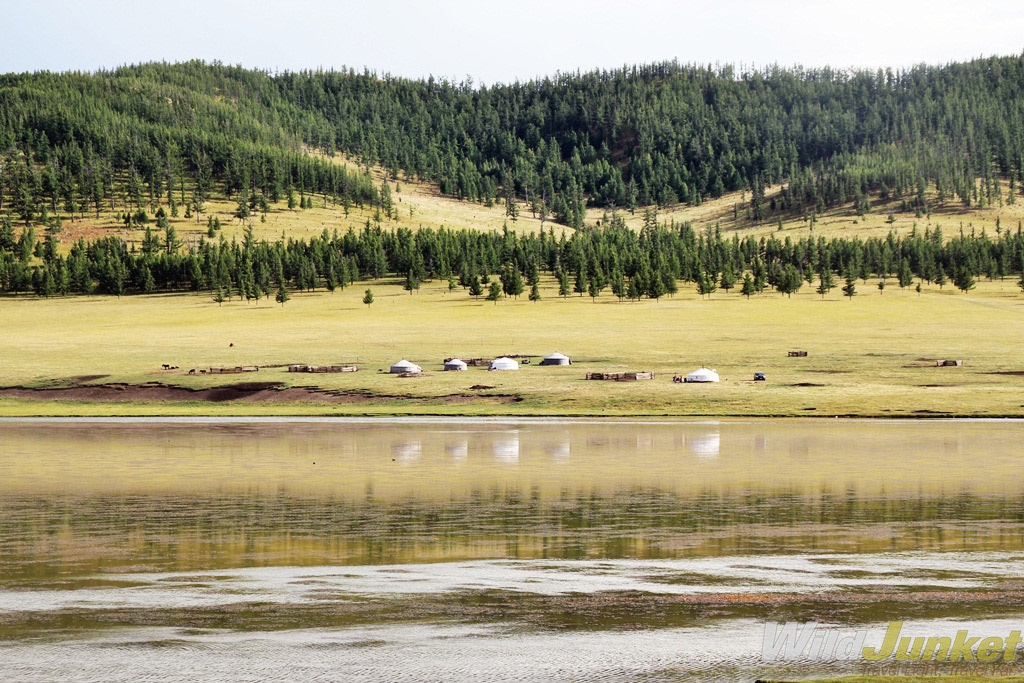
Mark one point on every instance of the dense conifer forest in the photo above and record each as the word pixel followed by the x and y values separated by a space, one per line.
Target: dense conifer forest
pixel 166 137
pixel 644 135
pixel 630 264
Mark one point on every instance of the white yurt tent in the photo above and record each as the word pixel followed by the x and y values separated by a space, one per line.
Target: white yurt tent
pixel 403 366
pixel 556 359
pixel 702 375
pixel 454 365
pixel 504 363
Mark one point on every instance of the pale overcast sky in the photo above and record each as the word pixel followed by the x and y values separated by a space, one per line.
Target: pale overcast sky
pixel 504 41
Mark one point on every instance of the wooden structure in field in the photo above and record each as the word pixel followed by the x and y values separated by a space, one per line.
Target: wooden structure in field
pixel 620 376
pixel 948 363
pixel 322 369
pixel 797 354
pixel 234 371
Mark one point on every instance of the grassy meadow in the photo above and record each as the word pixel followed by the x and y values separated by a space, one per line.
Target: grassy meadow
pixel 872 355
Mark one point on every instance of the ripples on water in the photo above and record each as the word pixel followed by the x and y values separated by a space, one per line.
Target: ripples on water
pixel 411 551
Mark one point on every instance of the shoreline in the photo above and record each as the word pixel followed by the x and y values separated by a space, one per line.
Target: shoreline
pixel 483 419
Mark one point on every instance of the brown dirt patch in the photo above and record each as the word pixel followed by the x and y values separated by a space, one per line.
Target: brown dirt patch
pixel 249 392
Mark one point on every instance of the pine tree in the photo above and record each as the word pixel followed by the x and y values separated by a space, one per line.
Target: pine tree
pixel 494 293
pixel 368 298
pixel 282 294
pixel 656 287
pixel 728 280
pixel 826 281
pixel 748 286
pixel 618 284
pixel 706 284
pixel 563 283
pixel 148 283
pixel 633 290
pixel 881 286
pixel 515 284
pixel 534 292
pixel 790 280
pixel 580 287
pixel 963 279
pixel 905 276
pixel 475 288
pixel 218 296
pixel 671 286
pixel 850 288
pixel 412 283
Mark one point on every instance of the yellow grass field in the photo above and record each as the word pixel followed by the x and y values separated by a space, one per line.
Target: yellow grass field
pixel 870 356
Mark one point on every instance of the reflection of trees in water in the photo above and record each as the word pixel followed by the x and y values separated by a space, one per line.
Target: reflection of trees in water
pixel 49 535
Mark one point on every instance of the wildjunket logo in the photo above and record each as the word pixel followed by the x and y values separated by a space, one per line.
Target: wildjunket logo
pixel 813 641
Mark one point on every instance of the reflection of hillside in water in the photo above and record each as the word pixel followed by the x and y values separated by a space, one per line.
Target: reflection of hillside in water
pixel 218 495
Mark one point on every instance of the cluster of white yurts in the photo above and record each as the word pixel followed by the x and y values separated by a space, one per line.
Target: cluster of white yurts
pixel 456 364
pixel 505 363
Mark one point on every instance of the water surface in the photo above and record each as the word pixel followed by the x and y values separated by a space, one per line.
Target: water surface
pixel 488 549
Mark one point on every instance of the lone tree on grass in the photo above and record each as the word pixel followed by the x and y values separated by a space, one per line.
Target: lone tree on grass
pixel 282 294
pixel 494 293
pixel 218 296
pixel 850 288
pixel 368 298
pixel 475 289
pixel 881 286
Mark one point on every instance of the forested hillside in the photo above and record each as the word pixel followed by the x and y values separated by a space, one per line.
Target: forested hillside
pixel 657 134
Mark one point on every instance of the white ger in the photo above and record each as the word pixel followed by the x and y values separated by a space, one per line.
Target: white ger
pixel 703 375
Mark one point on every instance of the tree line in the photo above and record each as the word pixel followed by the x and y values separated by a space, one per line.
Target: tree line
pixel 651 262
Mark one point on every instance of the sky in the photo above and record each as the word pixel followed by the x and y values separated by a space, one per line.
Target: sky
pixel 504 41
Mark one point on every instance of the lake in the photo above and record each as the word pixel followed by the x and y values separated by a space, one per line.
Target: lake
pixel 420 549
